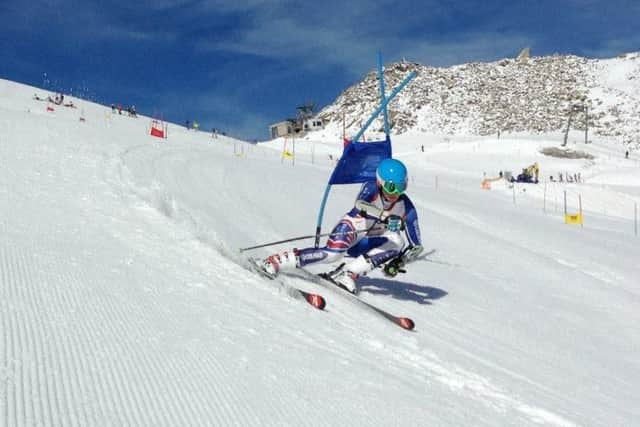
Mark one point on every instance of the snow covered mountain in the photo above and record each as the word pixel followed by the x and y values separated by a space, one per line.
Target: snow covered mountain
pixel 124 300
pixel 511 95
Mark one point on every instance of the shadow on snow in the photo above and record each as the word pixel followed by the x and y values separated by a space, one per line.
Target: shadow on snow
pixel 400 290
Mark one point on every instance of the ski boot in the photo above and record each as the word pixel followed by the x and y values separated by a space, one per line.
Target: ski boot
pixel 287 260
pixel 346 276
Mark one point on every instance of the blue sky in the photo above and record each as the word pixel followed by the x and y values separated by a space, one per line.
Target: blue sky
pixel 241 65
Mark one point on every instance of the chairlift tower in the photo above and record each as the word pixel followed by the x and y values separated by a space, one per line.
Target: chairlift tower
pixel 306 110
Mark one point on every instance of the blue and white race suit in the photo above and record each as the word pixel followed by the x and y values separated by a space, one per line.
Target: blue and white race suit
pixel 359 233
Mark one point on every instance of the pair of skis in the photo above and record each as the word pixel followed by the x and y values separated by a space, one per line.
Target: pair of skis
pixel 319 302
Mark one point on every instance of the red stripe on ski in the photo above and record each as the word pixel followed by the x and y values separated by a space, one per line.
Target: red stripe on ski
pixel 314 299
pixel 406 323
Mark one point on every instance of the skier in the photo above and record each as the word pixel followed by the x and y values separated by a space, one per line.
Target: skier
pixel 372 232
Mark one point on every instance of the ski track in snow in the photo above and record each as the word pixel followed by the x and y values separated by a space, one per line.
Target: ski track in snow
pixel 457 379
pixel 79 381
pixel 60 373
pixel 127 304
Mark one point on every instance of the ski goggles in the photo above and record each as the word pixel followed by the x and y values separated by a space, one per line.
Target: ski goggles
pixel 393 188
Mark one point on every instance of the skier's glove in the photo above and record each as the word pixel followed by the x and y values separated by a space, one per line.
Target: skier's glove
pixel 394 223
pixel 393 267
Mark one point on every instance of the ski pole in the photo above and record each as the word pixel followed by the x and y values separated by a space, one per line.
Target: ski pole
pixel 363 206
pixel 300 238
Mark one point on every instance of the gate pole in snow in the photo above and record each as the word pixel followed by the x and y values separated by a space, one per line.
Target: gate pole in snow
pixel 313 151
pixel 635 218
pixel 580 210
pixel 284 149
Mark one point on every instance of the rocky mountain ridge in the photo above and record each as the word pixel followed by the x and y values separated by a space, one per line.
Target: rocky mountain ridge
pixel 535 94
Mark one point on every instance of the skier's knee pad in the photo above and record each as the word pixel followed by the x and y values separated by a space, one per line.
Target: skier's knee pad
pixel 343 235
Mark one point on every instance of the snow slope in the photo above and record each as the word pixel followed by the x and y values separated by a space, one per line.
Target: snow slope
pixel 123 299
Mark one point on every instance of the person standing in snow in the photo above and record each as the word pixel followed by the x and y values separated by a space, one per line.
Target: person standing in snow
pixel 381 229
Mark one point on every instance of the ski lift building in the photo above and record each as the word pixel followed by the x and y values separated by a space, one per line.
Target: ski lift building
pixel 290 127
pixel 313 123
pixel 283 128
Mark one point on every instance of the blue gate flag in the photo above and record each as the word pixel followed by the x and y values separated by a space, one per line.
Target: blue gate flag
pixel 359 161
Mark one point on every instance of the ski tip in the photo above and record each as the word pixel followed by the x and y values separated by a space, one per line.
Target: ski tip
pixel 406 323
pixel 316 300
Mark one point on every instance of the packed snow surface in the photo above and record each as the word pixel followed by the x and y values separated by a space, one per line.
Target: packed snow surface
pixel 124 299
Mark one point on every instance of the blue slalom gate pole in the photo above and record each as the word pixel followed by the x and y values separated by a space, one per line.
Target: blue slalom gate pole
pixel 321 214
pixel 384 104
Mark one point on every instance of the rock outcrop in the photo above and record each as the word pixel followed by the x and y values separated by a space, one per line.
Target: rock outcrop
pixel 534 94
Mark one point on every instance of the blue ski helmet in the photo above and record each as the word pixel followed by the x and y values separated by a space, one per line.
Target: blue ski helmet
pixel 392 176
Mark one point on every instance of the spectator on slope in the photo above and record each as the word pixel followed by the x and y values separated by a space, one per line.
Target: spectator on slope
pixel 56 99
pixel 380 230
